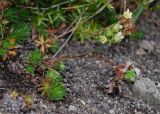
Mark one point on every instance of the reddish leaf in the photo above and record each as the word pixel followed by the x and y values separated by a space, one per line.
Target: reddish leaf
pixel 53 31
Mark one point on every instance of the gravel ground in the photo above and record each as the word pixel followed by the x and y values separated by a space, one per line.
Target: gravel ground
pixel 86 77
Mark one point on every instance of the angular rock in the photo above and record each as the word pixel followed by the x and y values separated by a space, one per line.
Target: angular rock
pixel 146 45
pixel 146 90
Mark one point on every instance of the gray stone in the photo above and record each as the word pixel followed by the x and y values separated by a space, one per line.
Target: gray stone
pixel 1 82
pixel 141 52
pixel 146 45
pixel 139 113
pixel 146 90
pixel 72 108
pixel 158 45
pixel 111 111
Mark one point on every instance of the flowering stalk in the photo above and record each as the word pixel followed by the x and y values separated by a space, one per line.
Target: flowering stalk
pixel 116 32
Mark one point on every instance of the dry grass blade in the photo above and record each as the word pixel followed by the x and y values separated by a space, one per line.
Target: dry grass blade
pixel 67 38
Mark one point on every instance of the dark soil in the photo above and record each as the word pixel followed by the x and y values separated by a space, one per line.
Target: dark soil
pixel 85 78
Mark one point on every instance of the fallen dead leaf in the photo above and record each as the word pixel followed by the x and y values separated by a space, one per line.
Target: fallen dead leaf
pixel 43 44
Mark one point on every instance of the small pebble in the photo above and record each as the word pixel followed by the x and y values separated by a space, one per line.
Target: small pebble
pixel 141 52
pixel 111 111
pixel 139 113
pixel 72 108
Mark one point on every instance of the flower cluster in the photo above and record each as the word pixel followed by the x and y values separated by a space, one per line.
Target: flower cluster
pixel 112 34
pixel 127 14
pixel 127 22
pixel 116 32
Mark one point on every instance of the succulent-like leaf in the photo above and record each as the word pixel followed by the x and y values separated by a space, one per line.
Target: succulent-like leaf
pixel 57 91
pixel 53 74
pixel 36 57
pixel 30 69
pixel 130 75
pixel 54 90
pixel 60 66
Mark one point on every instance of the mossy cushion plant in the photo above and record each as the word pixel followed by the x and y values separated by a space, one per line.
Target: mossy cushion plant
pixel 7 50
pixel 130 75
pixel 53 74
pixel 52 86
pixel 60 66
pixel 56 91
pixel 34 59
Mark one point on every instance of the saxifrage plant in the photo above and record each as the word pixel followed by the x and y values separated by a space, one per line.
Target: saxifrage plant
pixel 44 22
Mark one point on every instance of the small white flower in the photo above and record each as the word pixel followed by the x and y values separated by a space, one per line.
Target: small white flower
pixel 103 39
pixel 117 27
pixel 118 37
pixel 127 14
